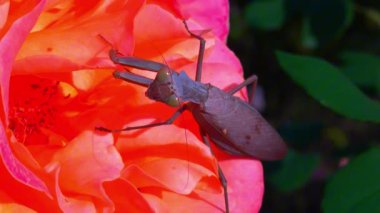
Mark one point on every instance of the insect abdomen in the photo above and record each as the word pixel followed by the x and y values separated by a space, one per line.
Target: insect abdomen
pixel 238 128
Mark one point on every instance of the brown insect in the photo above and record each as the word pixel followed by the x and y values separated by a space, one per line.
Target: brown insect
pixel 232 124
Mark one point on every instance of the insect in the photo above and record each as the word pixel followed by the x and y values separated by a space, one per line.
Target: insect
pixel 232 124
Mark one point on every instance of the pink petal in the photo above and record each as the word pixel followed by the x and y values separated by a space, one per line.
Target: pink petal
pixel 16 168
pixel 220 63
pixel 212 14
pixel 10 44
pixel 245 186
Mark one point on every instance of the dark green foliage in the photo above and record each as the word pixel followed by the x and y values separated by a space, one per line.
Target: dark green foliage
pixel 327 18
pixel 362 68
pixel 300 166
pixel 265 14
pixel 329 86
pixel 356 187
pixel 319 64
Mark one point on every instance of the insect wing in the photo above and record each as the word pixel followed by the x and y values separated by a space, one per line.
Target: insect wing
pixel 239 126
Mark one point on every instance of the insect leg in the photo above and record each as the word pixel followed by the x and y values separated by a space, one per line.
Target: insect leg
pixel 132 78
pixel 135 62
pixel 251 80
pixel 222 178
pixel 202 46
pixel 167 122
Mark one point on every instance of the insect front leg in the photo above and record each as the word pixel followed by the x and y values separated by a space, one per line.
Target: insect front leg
pixel 167 122
pixel 134 62
pixel 222 178
pixel 202 46
pixel 251 80
pixel 132 78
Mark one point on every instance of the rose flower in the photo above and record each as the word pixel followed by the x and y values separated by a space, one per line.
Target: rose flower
pixel 57 86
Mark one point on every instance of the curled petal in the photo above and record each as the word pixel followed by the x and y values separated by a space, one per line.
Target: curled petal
pixel 126 197
pixel 87 162
pixel 69 204
pixel 180 176
pixel 16 168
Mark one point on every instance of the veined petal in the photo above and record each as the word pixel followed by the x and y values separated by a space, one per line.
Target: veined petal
pixel 10 44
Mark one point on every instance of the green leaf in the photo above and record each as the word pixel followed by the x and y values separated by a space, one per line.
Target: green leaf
pixel 295 171
pixel 329 86
pixel 328 19
pixel 362 68
pixel 265 14
pixel 356 187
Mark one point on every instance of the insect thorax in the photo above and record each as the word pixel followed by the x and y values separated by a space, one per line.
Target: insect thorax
pixel 188 90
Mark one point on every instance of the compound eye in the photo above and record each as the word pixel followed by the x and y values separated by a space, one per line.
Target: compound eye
pixel 163 75
pixel 172 101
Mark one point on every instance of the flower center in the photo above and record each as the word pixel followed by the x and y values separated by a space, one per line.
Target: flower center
pixel 33 108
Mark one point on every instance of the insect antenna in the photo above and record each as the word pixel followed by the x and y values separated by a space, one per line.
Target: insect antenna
pixel 187 152
pixel 105 40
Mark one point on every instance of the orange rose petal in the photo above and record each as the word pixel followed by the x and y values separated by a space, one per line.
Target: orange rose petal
pixel 126 197
pixel 60 43
pixel 173 202
pixel 70 204
pixel 77 38
pixel 164 141
pixel 163 135
pixel 101 107
pixel 184 52
pixel 166 159
pixel 4 9
pixel 180 176
pixel 152 40
pixel 171 6
pixel 88 79
pixel 156 203
pixel 146 29
pixel 14 207
pixel 86 162
pixel 44 64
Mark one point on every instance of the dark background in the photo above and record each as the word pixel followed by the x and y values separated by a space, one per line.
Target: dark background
pixel 321 139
